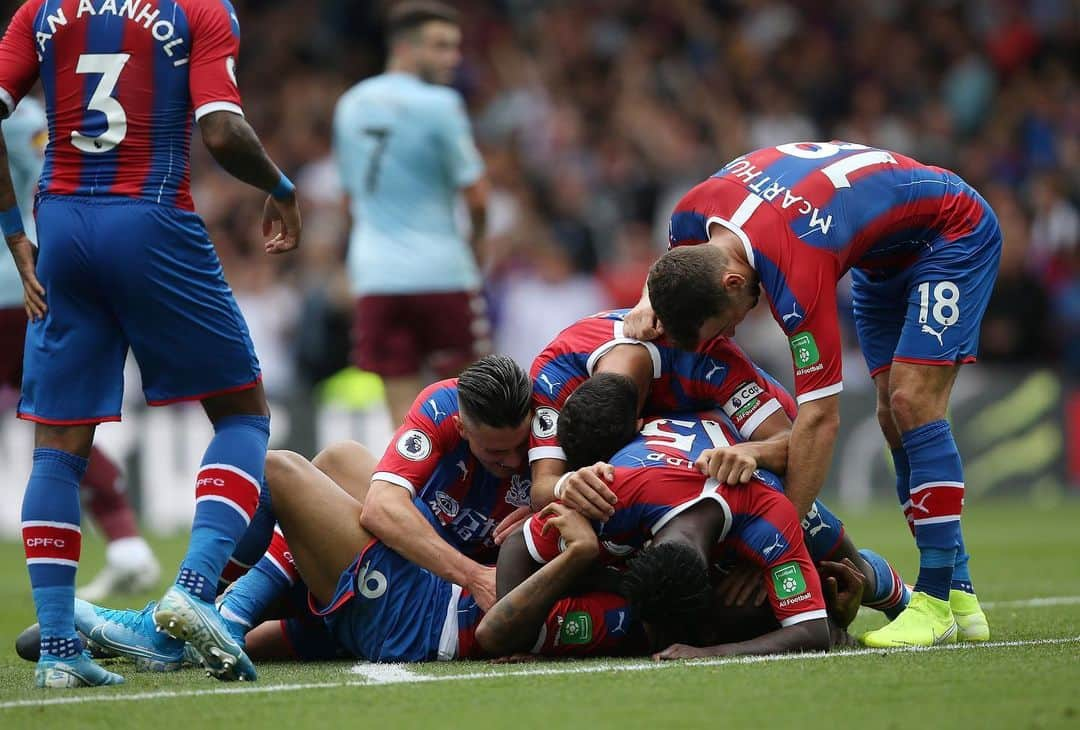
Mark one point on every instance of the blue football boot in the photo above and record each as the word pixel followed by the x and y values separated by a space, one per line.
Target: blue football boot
pixel 77 671
pixel 130 634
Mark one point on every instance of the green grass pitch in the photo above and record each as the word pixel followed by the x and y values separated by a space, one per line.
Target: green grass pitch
pixel 1029 677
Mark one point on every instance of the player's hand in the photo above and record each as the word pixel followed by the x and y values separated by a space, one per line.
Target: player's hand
pixel 587 491
pixel 743 586
pixel 25 255
pixel 575 530
pixel 682 651
pixel 844 585
pixel 285 214
pixel 510 523
pixel 482 586
pixel 727 465
pixel 641 323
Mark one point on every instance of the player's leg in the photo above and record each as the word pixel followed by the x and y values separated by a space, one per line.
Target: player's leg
pixel 72 380
pixel 349 465
pixel 385 342
pixel 166 287
pixel 320 520
pixel 130 566
pixel 947 293
pixel 322 525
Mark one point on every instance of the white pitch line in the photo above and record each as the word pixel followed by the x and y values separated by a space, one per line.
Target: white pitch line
pixel 1035 602
pixel 1024 603
pixel 399 674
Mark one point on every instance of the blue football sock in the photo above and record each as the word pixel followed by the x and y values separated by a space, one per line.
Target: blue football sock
pixel 52 540
pixel 252 594
pixel 254 541
pixel 890 595
pixel 226 497
pixel 937 498
pixel 961 577
pixel 249 597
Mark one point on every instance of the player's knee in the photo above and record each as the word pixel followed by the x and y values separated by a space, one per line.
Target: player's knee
pixel 907 407
pixel 282 469
pixel 342 455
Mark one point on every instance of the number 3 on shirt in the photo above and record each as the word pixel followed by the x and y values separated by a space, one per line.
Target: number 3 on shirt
pixel 109 66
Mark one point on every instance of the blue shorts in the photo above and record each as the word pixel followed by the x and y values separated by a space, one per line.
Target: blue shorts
pixel 930 313
pixel 386 609
pixel 120 273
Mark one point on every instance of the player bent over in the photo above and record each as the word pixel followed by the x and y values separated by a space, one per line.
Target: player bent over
pixel 923 247
pixel 124 262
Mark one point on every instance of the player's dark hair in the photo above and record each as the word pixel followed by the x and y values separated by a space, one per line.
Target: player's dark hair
pixel 495 391
pixel 598 419
pixel 668 587
pixel 685 290
pixel 411 15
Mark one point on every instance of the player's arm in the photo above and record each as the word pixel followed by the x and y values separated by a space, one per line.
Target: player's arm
pixel 233 143
pixel 236 147
pixel 513 622
pixel 476 199
pixel 389 513
pixel 18 72
pixel 767 449
pixel 810 450
pixel 817 362
pixel 641 322
pixel 22 250
pixel 807 636
pixel 587 489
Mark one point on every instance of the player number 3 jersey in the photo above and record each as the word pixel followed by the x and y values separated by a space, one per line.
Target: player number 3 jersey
pixel 121 80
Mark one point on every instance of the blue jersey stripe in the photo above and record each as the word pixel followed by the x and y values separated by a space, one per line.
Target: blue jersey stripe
pixel 878 192
pixel 172 135
pixel 105 34
pixel 780 294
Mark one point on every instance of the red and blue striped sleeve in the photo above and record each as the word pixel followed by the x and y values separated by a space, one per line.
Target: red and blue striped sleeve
pixel 18 58
pixel 428 434
pixel 215 47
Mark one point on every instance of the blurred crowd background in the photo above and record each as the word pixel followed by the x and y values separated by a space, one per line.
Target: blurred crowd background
pixel 595 116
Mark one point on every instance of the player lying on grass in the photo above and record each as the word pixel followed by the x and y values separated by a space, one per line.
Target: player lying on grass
pixel 668 379
pixel 656 482
pixel 454 468
pixel 375 605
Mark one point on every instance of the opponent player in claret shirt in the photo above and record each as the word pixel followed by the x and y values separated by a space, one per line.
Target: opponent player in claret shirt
pixel 923 248
pixel 126 263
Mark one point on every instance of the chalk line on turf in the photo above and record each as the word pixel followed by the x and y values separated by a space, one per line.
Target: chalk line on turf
pixel 1023 603
pixel 376 674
